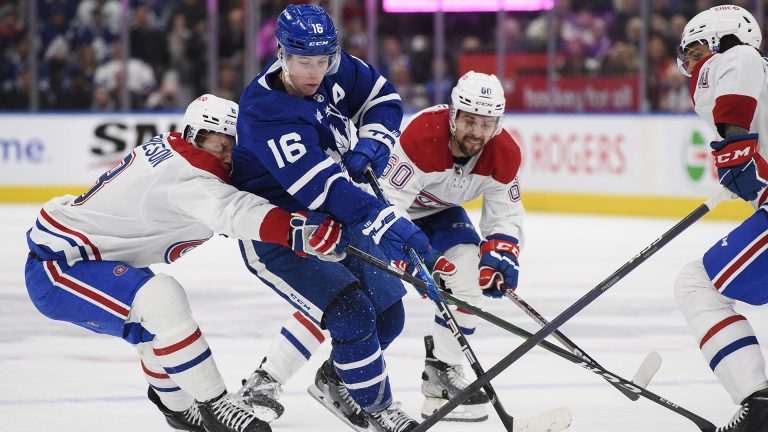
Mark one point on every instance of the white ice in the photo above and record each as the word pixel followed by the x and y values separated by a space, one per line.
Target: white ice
pixel 55 376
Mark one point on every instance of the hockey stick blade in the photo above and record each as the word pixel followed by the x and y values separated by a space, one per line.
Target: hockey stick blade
pixel 647 369
pixel 555 420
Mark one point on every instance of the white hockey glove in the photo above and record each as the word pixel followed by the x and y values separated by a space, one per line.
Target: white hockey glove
pixel 316 234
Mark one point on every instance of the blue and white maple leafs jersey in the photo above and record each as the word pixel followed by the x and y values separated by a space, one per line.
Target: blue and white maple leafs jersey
pixel 732 88
pixel 423 179
pixel 289 148
pixel 162 200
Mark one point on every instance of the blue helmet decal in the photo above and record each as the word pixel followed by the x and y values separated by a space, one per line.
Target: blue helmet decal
pixel 306 30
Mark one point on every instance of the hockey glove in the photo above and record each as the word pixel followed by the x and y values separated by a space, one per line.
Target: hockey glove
pixel 438 265
pixel 366 152
pixel 499 268
pixel 318 235
pixel 740 167
pixel 393 232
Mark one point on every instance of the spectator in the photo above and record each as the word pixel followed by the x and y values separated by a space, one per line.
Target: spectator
pixel 676 96
pixel 147 43
pixel 140 80
pixel 111 11
pixel 622 59
pixel 232 37
pixel 95 33
pixel 102 100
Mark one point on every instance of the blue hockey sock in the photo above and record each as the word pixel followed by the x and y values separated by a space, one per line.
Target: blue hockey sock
pixel 356 353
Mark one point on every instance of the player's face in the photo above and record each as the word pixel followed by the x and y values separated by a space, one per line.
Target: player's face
pixel 219 145
pixel 305 73
pixel 693 54
pixel 473 131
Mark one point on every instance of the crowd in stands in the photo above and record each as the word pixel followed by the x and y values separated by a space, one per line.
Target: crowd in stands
pixel 80 50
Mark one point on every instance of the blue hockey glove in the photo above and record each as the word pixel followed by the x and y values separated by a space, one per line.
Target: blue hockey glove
pixel 499 268
pixel 318 235
pixel 366 152
pixel 393 232
pixel 739 165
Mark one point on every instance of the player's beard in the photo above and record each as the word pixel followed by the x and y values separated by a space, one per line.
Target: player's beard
pixel 470 149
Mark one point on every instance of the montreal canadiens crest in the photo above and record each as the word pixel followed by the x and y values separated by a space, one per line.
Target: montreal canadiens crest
pixel 178 250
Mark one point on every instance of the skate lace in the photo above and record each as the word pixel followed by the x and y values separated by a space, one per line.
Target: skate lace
pixel 261 383
pixel 393 417
pixel 233 413
pixel 737 418
pixel 347 398
pixel 192 415
pixel 455 375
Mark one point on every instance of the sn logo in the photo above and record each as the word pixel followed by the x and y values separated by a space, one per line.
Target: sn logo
pixel 485 91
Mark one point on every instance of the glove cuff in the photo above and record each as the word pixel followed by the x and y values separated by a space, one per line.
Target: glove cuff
pixel 500 243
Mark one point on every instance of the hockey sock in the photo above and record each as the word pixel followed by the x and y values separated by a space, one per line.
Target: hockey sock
pixel 725 338
pixel 162 308
pixel 463 285
pixel 169 392
pixel 356 353
pixel 291 349
pixel 389 324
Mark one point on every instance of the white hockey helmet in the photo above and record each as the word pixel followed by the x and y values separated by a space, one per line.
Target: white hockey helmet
pixel 209 113
pixel 714 23
pixel 478 93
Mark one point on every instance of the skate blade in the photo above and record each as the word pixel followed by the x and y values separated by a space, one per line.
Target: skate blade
pixel 319 396
pixel 555 420
pixel 462 413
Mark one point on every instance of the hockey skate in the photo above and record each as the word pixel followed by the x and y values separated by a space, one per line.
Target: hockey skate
pixel 752 416
pixel 392 419
pixel 441 382
pixel 330 391
pixel 228 413
pixel 188 420
pixel 261 392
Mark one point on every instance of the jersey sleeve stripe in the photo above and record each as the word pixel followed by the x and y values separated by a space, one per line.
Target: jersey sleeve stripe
pixel 734 109
pixel 321 198
pixel 309 175
pixel 57 225
pixel 378 100
pixel 376 89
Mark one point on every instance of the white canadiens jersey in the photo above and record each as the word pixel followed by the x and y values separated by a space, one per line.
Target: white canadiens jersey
pixel 423 178
pixel 732 88
pixel 162 200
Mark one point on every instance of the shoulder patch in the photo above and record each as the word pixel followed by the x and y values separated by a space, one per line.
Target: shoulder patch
pixel 198 158
pixel 425 141
pixel 500 159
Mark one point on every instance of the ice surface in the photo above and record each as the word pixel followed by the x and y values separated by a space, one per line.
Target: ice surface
pixel 55 376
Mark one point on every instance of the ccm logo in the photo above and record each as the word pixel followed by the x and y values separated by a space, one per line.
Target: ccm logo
pixel 318 43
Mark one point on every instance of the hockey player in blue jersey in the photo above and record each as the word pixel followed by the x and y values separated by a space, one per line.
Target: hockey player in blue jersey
pixel 297 147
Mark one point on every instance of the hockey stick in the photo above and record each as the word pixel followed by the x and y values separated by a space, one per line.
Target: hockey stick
pixel 572 310
pixel 445 312
pixel 569 344
pixel 633 386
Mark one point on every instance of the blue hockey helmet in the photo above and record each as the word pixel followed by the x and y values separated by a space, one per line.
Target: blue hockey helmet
pixel 307 30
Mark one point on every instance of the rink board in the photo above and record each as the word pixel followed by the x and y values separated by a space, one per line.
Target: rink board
pixel 614 164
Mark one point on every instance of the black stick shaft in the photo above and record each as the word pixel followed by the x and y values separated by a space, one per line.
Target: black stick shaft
pixel 575 308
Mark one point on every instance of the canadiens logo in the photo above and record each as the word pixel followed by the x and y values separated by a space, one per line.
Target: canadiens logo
pixel 120 270
pixel 178 250
pixel 704 78
pixel 427 200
